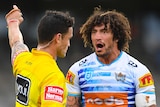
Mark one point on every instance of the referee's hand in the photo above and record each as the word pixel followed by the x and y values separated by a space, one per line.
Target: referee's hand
pixel 14 15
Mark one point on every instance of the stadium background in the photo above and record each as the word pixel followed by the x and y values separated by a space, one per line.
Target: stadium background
pixel 143 15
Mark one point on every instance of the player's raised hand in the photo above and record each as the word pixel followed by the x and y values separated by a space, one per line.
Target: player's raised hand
pixel 14 15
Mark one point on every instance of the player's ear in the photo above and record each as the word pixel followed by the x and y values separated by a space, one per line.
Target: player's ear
pixel 58 37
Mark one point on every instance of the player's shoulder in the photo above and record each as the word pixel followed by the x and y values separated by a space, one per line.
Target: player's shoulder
pixel 20 57
pixel 88 59
pixel 132 61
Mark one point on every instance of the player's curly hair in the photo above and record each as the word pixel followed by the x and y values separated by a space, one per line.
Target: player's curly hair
pixel 118 24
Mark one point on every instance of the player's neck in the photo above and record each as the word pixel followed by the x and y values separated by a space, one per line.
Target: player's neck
pixel 108 59
pixel 48 50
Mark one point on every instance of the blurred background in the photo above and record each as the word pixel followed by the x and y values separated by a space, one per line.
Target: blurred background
pixel 144 17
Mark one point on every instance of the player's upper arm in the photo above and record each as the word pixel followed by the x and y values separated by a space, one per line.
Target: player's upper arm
pixel 17 48
pixel 73 101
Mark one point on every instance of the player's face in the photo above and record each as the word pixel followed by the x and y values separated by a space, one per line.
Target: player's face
pixel 102 40
pixel 65 43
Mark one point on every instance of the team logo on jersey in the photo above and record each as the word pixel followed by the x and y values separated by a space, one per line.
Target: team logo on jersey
pixel 82 62
pixel 88 75
pixel 54 93
pixel 120 76
pixel 70 77
pixel 23 87
pixel 146 80
pixel 85 63
pixel 132 64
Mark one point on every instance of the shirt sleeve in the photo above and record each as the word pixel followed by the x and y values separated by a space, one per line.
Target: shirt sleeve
pixel 54 91
pixel 73 81
pixel 143 79
pixel 19 60
pixel 145 90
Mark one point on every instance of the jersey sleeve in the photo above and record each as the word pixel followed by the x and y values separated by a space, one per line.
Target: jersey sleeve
pixel 145 89
pixel 144 79
pixel 53 90
pixel 72 81
pixel 143 82
pixel 19 60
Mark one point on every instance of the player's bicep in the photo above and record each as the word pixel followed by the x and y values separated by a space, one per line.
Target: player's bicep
pixel 17 48
pixel 73 101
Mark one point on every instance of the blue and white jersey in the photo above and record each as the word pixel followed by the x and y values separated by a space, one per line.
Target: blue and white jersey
pixel 111 85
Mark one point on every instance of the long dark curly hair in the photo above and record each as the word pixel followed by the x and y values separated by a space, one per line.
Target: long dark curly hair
pixel 118 24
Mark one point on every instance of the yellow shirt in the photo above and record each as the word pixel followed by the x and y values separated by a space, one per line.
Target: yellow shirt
pixel 39 81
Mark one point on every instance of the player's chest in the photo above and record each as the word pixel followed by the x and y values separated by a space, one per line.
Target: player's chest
pixel 105 78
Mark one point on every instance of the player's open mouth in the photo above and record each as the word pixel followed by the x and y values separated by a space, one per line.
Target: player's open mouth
pixel 99 47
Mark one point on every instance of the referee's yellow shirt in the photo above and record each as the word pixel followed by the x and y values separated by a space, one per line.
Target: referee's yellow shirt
pixel 39 81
